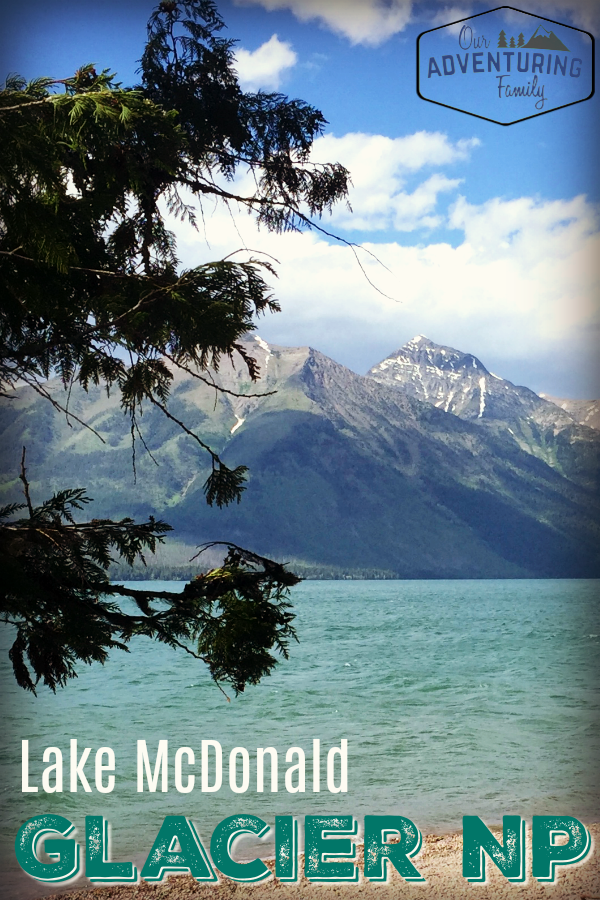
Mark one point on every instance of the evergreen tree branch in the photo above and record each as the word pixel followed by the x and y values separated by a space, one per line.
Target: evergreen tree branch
pixel 294 213
pixel 236 614
pixel 90 274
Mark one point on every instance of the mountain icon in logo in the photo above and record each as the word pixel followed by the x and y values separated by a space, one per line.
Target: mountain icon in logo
pixel 542 39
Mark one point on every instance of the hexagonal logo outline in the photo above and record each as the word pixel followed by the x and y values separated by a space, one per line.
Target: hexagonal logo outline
pixel 524 118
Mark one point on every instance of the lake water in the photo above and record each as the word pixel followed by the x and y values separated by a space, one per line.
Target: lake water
pixel 455 697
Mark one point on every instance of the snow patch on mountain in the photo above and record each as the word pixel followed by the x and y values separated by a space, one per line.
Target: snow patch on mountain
pixel 459 383
pixel 481 397
pixel 263 344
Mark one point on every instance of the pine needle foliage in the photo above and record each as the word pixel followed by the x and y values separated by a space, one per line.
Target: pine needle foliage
pixel 56 593
pixel 92 285
pixel 92 290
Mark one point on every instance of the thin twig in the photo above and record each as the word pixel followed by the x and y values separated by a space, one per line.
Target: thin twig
pixel 112 588
pixel 251 250
pixel 253 201
pixel 29 259
pixel 203 659
pixel 234 223
pixel 23 478
pixel 213 384
pixel 146 448
pixel 204 223
pixel 27 103
pixel 133 447
pixel 44 393
pixel 177 421
pixel 248 555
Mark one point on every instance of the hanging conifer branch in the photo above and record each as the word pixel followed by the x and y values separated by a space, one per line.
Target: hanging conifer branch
pixel 90 276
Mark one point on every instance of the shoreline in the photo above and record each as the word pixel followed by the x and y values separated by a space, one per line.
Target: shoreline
pixel 439 861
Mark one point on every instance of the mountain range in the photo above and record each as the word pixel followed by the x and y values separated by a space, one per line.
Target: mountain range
pixel 429 466
pixel 460 384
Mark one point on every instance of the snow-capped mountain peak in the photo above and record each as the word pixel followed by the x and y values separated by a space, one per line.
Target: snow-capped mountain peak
pixel 459 383
pixel 454 381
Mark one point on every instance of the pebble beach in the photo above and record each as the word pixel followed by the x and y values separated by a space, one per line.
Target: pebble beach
pixel 440 862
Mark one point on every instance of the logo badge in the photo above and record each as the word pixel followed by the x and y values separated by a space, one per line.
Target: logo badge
pixel 505 65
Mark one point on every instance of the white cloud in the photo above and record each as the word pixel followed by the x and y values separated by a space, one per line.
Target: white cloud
pixel 264 67
pixel 518 291
pixel 362 21
pixel 445 15
pixel 379 167
pixel 524 285
pixel 499 228
pixel 372 22
pixel 372 151
pixel 582 13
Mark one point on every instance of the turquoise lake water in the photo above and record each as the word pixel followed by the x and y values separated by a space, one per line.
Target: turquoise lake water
pixel 455 697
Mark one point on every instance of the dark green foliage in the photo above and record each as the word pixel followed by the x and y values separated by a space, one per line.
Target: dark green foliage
pixel 188 67
pixel 56 592
pixel 89 270
pixel 92 290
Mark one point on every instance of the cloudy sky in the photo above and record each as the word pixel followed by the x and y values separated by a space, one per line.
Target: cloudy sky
pixel 482 237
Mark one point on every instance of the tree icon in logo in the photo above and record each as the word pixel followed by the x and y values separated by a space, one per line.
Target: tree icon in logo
pixel 502 39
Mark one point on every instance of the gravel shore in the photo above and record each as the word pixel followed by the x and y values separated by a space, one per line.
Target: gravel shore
pixel 440 862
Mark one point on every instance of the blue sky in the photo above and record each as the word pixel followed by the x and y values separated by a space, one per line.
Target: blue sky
pixel 490 233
